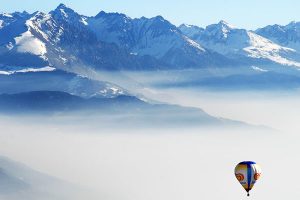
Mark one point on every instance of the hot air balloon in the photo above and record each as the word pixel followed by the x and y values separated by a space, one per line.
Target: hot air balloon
pixel 247 173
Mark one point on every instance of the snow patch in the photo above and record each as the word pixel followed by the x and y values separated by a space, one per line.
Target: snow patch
pixel 84 21
pixel 265 44
pixel 187 25
pixel 27 43
pixel 194 44
pixel 6 15
pixel 5 73
pixel 26 70
pixel 65 60
pixel 116 90
pixel 259 69
pixel 64 13
pixel 43 69
pixel 111 92
pixel 263 48
pixel 10 46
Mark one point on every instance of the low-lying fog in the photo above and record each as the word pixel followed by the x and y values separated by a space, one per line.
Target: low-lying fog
pixel 160 164
pixel 278 109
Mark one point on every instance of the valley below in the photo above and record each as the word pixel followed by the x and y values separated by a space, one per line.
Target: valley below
pixel 109 160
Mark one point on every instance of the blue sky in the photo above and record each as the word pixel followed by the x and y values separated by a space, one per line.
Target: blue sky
pixel 241 13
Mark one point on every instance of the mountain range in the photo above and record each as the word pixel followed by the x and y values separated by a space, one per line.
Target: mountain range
pixel 65 39
pixel 241 44
pixel 46 59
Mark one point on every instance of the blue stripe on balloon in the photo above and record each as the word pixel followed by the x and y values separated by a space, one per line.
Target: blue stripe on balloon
pixel 249 175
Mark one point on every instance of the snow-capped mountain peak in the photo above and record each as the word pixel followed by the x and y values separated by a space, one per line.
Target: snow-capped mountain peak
pixel 8 18
pixel 62 12
pixel 113 14
pixel 222 26
pixel 225 24
pixel 21 14
pixel 293 24
pixel 64 9
pixel 190 31
pixel 159 18
pixel 219 30
pixel 62 6
pixel 189 27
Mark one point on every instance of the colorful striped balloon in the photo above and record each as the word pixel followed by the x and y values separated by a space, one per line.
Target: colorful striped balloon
pixel 247 173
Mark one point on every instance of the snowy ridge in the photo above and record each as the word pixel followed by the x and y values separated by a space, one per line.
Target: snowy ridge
pixel 233 42
pixel 288 35
pixel 263 48
pixel 114 41
pixel 50 39
pixel 14 80
pixel 154 37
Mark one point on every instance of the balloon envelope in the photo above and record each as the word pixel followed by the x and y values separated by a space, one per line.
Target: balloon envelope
pixel 247 173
